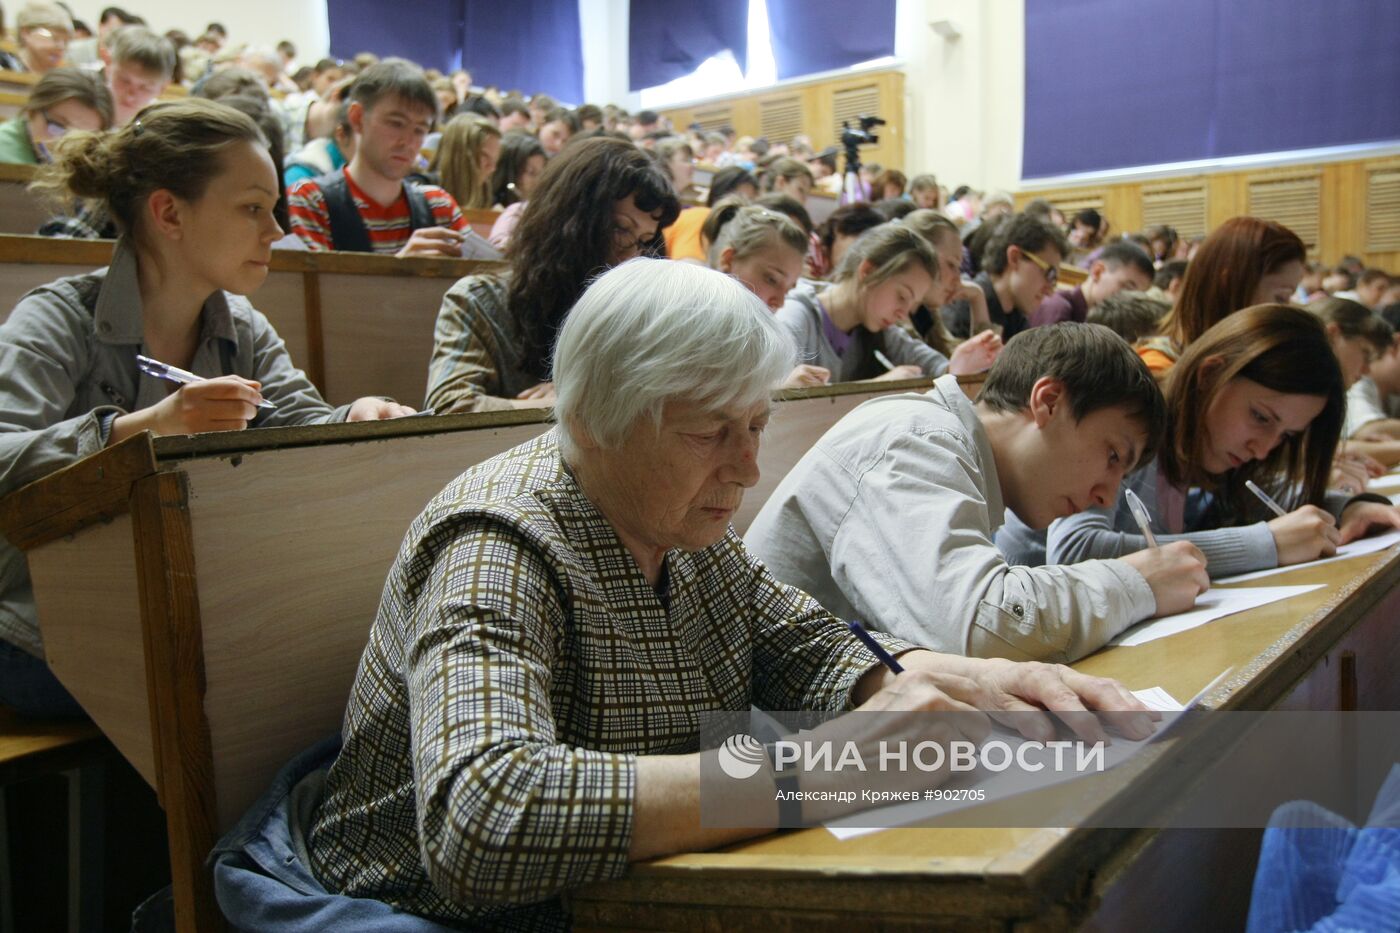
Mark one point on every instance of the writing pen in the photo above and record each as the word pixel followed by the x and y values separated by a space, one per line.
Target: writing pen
pixel 1265 498
pixel 1144 520
pixel 875 647
pixel 177 375
pixel 883 360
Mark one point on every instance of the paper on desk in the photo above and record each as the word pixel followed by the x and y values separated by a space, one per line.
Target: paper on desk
pixel 1354 549
pixel 1212 605
pixel 475 246
pixel 1380 483
pixel 1005 784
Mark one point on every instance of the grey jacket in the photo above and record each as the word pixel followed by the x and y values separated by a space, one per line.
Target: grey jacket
pixel 802 317
pixel 889 519
pixel 68 366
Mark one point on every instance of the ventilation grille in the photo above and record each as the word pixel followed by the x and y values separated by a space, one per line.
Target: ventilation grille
pixel 851 104
pixel 1383 209
pixel 713 119
pixel 1292 200
pixel 780 119
pixel 1181 207
pixel 1072 204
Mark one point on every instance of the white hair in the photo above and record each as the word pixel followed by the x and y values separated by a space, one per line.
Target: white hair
pixel 653 330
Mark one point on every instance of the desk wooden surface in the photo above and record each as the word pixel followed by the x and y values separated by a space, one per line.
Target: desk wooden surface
pixel 1298 653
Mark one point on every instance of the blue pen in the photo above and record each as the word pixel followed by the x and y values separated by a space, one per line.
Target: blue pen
pixel 179 376
pixel 886 659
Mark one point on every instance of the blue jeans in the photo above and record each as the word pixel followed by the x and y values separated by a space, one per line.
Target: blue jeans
pixel 27 685
pixel 264 886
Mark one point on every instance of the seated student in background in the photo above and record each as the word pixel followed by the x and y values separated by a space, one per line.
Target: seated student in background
pixel 192 191
pixel 1086 231
pixel 139 67
pixel 1358 337
pixel 1167 281
pixel 517 174
pixel 593 569
pixel 789 177
pixel 764 250
pixel 982 348
pixel 889 518
pixel 1371 286
pixel 1257 397
pixel 466 160
pixel 791 207
pixel 515 115
pixel 677 160
pixel 600 202
pixel 1019 269
pixel 684 239
pixel 925 193
pixel 556 129
pixel 1120 265
pixel 878 284
pixel 1373 401
pixel 64 99
pixel 845 225
pixel 369 206
pixel 1130 315
pixel 42 33
pixel 324 155
pixel 1245 261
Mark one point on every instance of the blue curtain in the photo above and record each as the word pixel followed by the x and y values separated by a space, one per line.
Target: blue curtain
pixel 811 37
pixel 530 45
pixel 1113 84
pixel 428 32
pixel 533 45
pixel 667 39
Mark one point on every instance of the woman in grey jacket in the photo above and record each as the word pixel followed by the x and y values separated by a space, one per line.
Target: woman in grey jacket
pixel 191 186
pixel 1258 397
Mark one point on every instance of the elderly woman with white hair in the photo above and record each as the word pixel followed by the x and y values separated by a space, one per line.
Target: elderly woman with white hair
pixel 525 717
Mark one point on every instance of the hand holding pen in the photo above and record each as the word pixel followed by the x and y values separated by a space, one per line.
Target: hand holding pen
pixel 226 403
pixel 1302 535
pixel 1176 573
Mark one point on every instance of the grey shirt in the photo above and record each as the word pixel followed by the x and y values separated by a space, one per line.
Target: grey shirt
pixel 1103 533
pixel 802 316
pixel 889 519
pixel 68 366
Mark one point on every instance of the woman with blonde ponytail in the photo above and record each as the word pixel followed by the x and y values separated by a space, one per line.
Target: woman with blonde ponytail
pixel 191 188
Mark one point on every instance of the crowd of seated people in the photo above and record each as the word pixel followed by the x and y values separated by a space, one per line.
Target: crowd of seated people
pixel 988 540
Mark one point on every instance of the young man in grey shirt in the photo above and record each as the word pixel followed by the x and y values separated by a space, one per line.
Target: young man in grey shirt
pixel 890 517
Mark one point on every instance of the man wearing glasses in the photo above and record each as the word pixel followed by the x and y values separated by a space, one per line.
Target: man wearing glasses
pixel 43 33
pixel 1019 270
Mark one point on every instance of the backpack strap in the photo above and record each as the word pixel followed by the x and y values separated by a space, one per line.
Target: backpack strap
pixel 420 215
pixel 348 230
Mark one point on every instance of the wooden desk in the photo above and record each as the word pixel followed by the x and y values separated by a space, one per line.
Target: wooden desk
pixel 1334 648
pixel 194 591
pixel 357 323
pixel 20 210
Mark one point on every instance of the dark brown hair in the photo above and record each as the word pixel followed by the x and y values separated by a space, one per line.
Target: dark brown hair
pixel 1284 349
pixel 1099 370
pixel 565 233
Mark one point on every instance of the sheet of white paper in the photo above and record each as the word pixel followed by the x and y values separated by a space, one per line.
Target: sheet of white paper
pixel 1395 499
pixel 1212 605
pixel 1363 546
pixel 1005 784
pixel 1383 483
pixel 475 246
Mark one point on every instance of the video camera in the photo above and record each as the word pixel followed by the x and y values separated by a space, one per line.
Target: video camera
pixel 852 138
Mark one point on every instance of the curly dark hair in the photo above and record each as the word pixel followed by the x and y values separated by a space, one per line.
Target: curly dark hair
pixel 516 149
pixel 565 233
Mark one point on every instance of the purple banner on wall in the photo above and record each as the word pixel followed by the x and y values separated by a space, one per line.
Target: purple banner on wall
pixel 812 37
pixel 668 39
pixel 428 32
pixel 1114 83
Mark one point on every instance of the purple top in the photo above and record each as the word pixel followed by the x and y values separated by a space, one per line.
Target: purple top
pixel 1061 306
pixel 835 336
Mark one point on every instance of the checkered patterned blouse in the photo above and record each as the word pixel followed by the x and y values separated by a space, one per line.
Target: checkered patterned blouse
pixel 518 665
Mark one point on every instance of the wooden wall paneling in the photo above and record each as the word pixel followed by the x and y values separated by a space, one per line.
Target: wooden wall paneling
pixel 780 116
pixel 17 279
pixel 378 335
pixel 11 104
pixel 174 650
pixel 98 655
pixel 1179 203
pixel 1342 210
pixel 1382 200
pixel 21 211
pixel 1225 198
pixel 282 300
pixel 1291 197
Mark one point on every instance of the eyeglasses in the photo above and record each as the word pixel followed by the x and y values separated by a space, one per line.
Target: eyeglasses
pixel 626 241
pixel 55 129
pixel 1052 273
pixel 58 37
